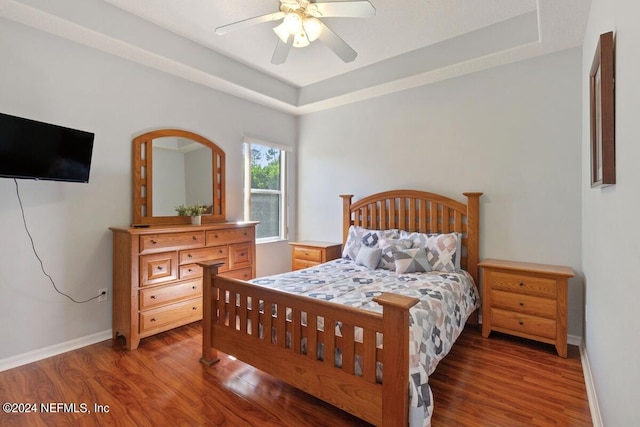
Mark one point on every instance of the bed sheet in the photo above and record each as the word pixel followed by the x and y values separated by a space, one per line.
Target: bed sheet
pixel 446 301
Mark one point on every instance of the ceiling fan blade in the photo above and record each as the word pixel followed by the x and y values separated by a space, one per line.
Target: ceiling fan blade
pixel 282 51
pixel 337 45
pixel 249 22
pixel 342 9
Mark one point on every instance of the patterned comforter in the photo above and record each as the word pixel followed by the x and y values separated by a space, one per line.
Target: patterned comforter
pixel 446 301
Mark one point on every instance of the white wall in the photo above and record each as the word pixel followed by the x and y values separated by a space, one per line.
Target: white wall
pixel 611 252
pixel 53 80
pixel 512 132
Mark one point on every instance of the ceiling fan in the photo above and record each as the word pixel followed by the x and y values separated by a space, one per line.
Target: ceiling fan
pixel 300 25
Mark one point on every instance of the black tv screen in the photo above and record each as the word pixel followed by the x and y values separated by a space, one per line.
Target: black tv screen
pixel 36 150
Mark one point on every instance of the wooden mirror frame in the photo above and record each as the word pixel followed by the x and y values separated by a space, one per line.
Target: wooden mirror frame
pixel 143 186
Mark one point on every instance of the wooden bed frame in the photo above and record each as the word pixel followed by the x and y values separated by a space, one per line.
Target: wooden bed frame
pixel 228 327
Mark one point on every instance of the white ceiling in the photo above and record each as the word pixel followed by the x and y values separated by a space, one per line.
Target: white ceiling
pixel 408 43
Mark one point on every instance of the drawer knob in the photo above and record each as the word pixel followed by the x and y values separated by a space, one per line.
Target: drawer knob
pixel 521 304
pixel 245 233
pixel 153 241
pixel 152 297
pixel 153 319
pixel 194 238
pixel 194 308
pixel 189 270
pixel 189 256
pixel 215 236
pixel 219 251
pixel 194 287
pixel 159 268
pixel 521 284
pixel 521 323
pixel 242 254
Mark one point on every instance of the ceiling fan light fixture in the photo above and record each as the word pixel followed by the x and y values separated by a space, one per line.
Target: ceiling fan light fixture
pixel 282 32
pixel 292 22
pixel 313 28
pixel 300 40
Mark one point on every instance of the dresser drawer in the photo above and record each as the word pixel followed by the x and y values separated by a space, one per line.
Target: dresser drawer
pixel 167 294
pixel 171 316
pixel 233 235
pixel 526 304
pixel 522 283
pixel 158 268
pixel 204 254
pixel 242 274
pixel 307 254
pixel 165 241
pixel 190 271
pixel 240 255
pixel 523 323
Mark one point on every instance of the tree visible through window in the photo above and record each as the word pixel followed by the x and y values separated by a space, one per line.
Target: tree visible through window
pixel 265 202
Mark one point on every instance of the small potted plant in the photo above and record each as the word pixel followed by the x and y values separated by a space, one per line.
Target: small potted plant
pixel 194 211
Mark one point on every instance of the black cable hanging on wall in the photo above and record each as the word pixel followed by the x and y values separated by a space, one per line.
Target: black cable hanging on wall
pixel 33 246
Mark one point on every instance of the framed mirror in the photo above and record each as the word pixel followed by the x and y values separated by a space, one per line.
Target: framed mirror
pixel 173 167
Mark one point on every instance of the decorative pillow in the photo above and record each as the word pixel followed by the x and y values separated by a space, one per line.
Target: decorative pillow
pixel 388 247
pixel 420 240
pixel 411 261
pixel 441 251
pixel 358 236
pixel 368 257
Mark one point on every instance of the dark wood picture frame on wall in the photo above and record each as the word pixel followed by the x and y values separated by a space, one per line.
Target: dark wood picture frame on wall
pixel 602 106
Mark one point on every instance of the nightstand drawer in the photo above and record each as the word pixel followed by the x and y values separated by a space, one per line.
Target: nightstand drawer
pixel 298 264
pixel 525 284
pixel 526 304
pixel 308 254
pixel 516 322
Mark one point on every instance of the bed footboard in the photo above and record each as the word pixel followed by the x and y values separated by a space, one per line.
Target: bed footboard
pixel 294 338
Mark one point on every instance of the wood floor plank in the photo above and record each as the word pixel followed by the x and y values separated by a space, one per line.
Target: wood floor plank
pixel 500 381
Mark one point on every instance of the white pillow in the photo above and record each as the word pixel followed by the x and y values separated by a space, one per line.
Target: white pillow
pixel 358 237
pixel 368 257
pixel 422 240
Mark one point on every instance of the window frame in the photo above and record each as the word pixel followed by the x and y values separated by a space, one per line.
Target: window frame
pixel 283 192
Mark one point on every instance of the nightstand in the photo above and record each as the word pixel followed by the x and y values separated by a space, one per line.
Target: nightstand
pixel 309 253
pixel 526 300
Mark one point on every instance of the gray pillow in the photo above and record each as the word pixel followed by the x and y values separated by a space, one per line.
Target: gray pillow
pixel 368 257
pixel 411 261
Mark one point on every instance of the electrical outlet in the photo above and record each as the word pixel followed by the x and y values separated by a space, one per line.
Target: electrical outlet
pixel 104 295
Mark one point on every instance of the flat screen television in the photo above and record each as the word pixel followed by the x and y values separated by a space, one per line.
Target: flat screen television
pixel 35 150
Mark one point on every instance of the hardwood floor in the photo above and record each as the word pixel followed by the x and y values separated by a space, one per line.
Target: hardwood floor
pixel 499 381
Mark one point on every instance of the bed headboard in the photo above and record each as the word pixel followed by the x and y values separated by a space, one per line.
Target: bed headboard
pixel 420 211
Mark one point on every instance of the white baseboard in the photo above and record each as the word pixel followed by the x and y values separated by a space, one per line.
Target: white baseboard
pixel 574 340
pixel 596 417
pixel 43 353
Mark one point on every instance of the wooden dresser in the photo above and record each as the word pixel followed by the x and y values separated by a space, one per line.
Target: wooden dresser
pixel 310 253
pixel 157 284
pixel 526 300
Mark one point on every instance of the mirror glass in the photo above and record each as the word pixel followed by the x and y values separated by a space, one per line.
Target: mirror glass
pixel 182 174
pixel 173 167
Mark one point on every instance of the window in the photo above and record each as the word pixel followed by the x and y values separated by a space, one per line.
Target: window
pixel 265 195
